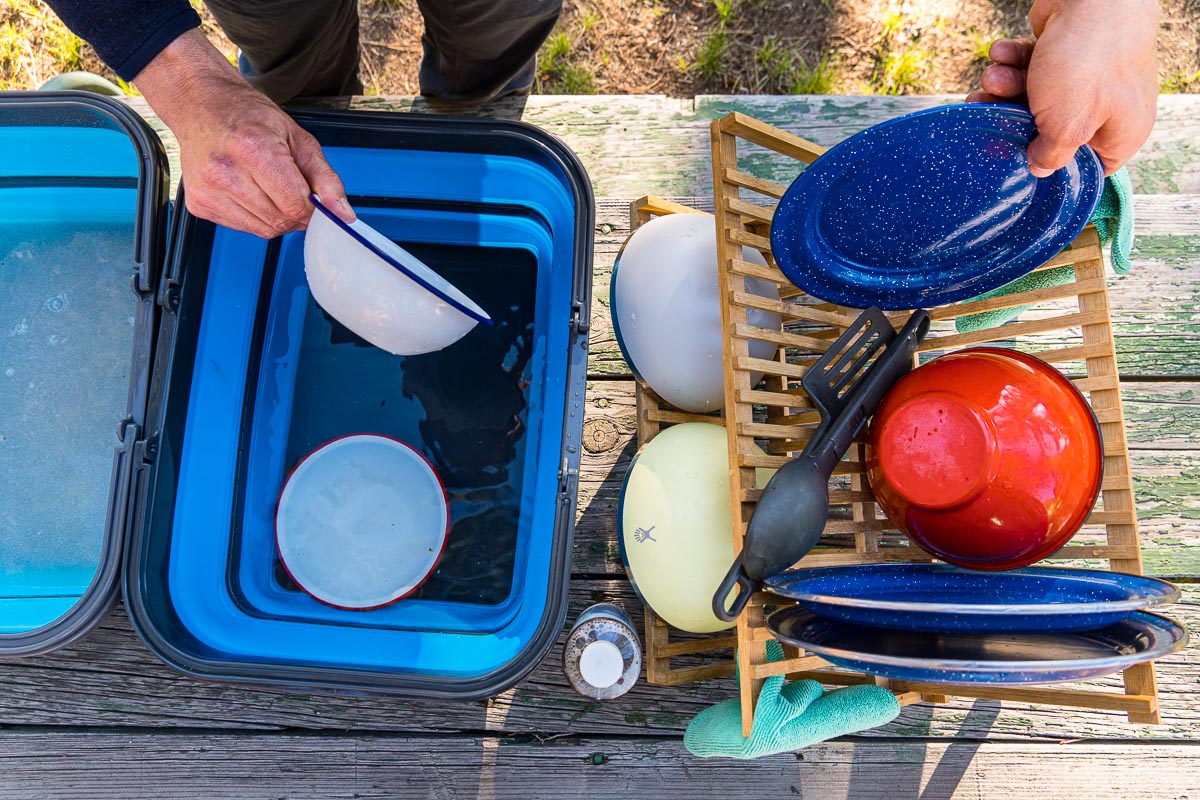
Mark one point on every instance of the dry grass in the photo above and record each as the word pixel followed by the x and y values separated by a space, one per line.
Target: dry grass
pixel 34 45
pixel 680 47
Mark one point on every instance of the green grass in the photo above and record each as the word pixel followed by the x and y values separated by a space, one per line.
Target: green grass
pixel 1177 84
pixel 34 45
pixel 982 44
pixel 775 64
pixel 724 11
pixel 781 71
pixel 900 66
pixel 893 21
pixel 818 79
pixel 590 20
pixel 902 71
pixel 556 49
pixel 557 74
pixel 710 55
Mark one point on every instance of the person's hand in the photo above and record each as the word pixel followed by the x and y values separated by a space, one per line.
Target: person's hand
pixel 246 164
pixel 1090 76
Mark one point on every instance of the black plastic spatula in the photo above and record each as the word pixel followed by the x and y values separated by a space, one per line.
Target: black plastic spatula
pixel 846 385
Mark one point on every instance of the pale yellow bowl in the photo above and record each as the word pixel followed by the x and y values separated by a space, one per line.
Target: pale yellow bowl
pixel 675 524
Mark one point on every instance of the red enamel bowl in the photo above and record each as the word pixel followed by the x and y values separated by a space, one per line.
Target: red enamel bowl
pixel 989 459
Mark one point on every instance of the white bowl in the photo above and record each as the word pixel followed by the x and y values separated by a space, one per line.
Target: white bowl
pixel 381 291
pixel 666 309
pixel 361 522
pixel 675 523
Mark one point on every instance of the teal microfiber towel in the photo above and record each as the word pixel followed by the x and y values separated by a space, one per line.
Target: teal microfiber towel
pixel 1113 219
pixel 788 716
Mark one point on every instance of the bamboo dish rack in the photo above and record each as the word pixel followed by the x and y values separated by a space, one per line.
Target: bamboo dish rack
pixel 1074 317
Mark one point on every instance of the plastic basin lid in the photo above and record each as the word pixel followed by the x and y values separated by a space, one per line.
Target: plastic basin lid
pixel 361 522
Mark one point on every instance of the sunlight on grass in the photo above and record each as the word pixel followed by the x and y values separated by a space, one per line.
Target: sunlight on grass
pixel 982 44
pixel 893 20
pixel 902 71
pixel 34 45
pixel 819 79
pixel 900 62
pixel 710 55
pixel 1178 84
pixel 557 74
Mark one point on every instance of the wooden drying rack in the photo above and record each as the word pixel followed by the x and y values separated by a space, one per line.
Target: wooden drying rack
pixel 1077 313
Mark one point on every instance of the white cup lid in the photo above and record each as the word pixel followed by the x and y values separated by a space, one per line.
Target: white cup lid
pixel 601 664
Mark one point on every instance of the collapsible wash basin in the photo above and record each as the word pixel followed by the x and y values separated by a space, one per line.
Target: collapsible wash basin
pixel 248 375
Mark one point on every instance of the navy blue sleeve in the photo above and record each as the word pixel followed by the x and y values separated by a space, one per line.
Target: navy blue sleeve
pixel 127 34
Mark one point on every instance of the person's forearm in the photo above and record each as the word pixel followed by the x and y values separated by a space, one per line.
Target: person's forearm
pixel 188 73
pixel 127 34
pixel 246 164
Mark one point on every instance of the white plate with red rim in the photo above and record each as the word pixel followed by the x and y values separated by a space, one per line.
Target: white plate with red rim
pixel 361 522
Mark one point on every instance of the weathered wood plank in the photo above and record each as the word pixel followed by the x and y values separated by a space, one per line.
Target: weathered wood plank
pixel 1156 306
pixel 632 145
pixel 627 145
pixel 1163 422
pixel 109 680
pixel 58 766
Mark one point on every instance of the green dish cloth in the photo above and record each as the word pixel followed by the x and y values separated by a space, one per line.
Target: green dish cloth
pixel 788 717
pixel 1113 219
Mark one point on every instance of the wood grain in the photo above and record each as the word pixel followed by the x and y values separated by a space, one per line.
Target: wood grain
pixel 116 766
pixel 649 144
pixel 1163 422
pixel 1153 306
pixel 110 680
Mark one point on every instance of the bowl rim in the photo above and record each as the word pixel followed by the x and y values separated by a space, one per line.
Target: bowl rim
pixel 411 271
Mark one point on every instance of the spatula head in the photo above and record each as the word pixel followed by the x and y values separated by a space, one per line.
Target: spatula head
pixel 831 376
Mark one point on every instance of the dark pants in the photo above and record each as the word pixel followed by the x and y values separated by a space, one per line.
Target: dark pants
pixel 474 50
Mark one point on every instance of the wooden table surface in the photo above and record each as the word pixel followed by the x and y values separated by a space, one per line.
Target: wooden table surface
pixel 104 719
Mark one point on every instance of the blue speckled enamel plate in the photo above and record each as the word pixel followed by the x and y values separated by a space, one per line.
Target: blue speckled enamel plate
pixel 930 208
pixel 940 598
pixel 994 658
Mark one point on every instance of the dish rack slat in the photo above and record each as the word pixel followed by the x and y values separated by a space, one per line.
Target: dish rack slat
pixel 778 417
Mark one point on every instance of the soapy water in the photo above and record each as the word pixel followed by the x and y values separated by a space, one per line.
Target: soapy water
pixel 464 408
pixel 65 353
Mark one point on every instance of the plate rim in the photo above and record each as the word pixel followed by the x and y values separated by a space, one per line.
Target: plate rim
pixel 853 296
pixel 1172 595
pixel 445 533
pixel 1161 624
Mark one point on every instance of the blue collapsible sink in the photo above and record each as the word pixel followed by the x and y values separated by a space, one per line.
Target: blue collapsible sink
pixel 236 374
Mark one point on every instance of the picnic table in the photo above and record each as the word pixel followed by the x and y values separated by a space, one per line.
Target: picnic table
pixel 104 718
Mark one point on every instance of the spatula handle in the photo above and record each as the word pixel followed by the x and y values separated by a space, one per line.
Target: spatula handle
pixel 736 578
